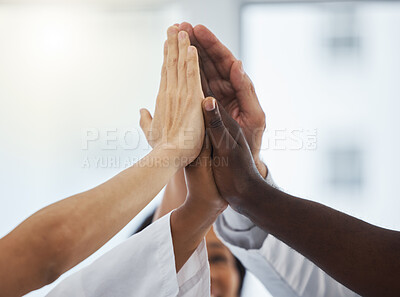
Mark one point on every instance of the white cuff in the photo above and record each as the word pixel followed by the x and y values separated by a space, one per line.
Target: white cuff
pixel 238 230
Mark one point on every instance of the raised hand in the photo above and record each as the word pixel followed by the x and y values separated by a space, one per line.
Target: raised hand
pixel 201 189
pixel 178 120
pixel 223 77
pixel 361 256
pixel 234 169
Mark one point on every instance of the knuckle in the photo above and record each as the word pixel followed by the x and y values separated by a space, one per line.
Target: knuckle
pixel 191 58
pixel 216 123
pixel 260 120
pixel 172 62
pixel 250 87
pixel 191 73
pixel 182 65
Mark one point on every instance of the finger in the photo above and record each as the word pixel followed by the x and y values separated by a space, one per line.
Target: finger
pixel 145 120
pixel 245 92
pixel 206 151
pixel 207 69
pixel 241 82
pixel 208 66
pixel 219 135
pixel 193 74
pixel 232 126
pixel 204 81
pixel 163 81
pixel 189 30
pixel 184 43
pixel 219 54
pixel 172 59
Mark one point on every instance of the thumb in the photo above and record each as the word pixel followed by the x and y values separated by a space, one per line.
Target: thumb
pixel 145 120
pixel 219 136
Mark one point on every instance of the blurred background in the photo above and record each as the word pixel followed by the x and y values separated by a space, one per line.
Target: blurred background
pixel 73 75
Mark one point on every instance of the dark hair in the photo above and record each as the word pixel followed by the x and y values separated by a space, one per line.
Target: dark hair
pixel 239 266
pixel 242 273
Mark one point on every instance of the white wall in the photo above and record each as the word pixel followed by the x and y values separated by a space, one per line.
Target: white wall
pixel 350 98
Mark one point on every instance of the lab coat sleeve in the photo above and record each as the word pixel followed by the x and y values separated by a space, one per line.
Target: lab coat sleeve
pixel 143 265
pixel 283 271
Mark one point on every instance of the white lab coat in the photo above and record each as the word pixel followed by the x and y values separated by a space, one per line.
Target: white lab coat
pixel 283 271
pixel 143 265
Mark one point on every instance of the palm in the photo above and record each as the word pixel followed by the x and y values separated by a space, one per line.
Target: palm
pixel 223 91
pixel 222 77
pixel 236 94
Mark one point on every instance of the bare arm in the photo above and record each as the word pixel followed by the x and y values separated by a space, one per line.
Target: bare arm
pixel 191 221
pixel 363 257
pixel 174 195
pixel 61 235
pixel 58 237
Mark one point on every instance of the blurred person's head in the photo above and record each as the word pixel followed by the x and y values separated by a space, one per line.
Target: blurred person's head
pixel 226 271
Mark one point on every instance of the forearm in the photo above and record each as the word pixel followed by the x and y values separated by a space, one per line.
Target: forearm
pixel 174 195
pixel 189 225
pixel 361 256
pixel 61 235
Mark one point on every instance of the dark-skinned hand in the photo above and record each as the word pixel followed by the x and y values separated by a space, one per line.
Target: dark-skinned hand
pixel 233 166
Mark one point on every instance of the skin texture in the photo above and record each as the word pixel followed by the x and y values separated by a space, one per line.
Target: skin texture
pixel 58 237
pixel 180 93
pixel 363 257
pixel 223 75
pixel 192 220
pixel 225 279
pixel 223 78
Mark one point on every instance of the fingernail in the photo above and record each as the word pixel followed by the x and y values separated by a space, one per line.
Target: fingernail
pixel 181 35
pixel 172 30
pixel 191 49
pixel 209 105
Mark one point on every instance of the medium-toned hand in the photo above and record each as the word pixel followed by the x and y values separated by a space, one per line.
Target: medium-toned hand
pixel 223 77
pixel 178 120
pixel 202 191
pixel 233 166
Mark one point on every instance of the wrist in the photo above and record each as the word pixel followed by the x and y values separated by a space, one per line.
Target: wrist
pixel 209 207
pixel 255 189
pixel 199 213
pixel 166 155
